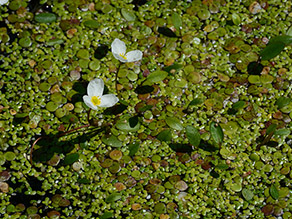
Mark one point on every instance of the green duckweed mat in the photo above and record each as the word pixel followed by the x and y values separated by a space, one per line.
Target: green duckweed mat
pixel 202 128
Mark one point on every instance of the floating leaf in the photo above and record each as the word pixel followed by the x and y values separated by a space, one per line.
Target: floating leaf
pixel 193 135
pixel 55 42
pixel 128 15
pixel 271 129
pixel 133 148
pixel 174 123
pixel 70 158
pixel 123 124
pixel 164 135
pixel 222 166
pixel 283 101
pixel 282 132
pixel 238 105
pixel 91 24
pixel 289 31
pixel 144 89
pixel 176 20
pixel 196 101
pixel 71 118
pixel 133 121
pixel 247 194
pixel 83 181
pixel 45 18
pixel 115 110
pixel 145 108
pixel 101 51
pixel 274 192
pixel 204 145
pixel 272 50
pixel 286 39
pixel 236 19
pixel 216 132
pixel 255 68
pixel 174 66
pixel 112 141
pixel 106 215
pixel 166 32
pixel 183 148
pixel 156 76
pixel 113 197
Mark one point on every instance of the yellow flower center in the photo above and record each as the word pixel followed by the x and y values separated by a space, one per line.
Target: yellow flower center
pixel 95 100
pixel 123 56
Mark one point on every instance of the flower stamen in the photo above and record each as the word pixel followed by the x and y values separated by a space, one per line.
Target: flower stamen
pixel 95 100
pixel 123 56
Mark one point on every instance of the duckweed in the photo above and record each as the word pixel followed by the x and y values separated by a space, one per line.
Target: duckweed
pixel 203 123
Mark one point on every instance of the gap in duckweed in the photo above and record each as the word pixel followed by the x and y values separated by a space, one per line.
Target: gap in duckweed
pixel 145 109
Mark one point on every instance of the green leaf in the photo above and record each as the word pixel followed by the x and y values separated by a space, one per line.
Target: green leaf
pixel 156 76
pixel 91 24
pixel 133 121
pixel 45 18
pixel 176 20
pixel 196 101
pixel 164 135
pixel 216 132
pixel 106 215
pixel 222 166
pixel 128 15
pixel 174 66
pixel 238 105
pixel 113 197
pixel 182 148
pixel 55 42
pixel 272 50
pixel 166 32
pixel 247 194
pixel 236 19
pixel 193 135
pixel 286 39
pixel 144 89
pixel 70 158
pixel 283 101
pixel 274 192
pixel 124 125
pixel 112 141
pixel 145 108
pixel 271 128
pixel 289 31
pixel 174 123
pixel 133 148
pixel 71 118
pixel 282 132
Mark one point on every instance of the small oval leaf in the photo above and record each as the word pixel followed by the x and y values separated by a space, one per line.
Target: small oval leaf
pixel 45 18
pixel 156 76
pixel 274 192
pixel 176 20
pixel 193 135
pixel 247 194
pixel 71 158
pixel 112 141
pixel 113 197
pixel 272 50
pixel 222 166
pixel 216 132
pixel 91 24
pixel 174 66
pixel 174 123
pixel 128 15
pixel 101 51
pixel 133 148
pixel 164 135
pixel 283 101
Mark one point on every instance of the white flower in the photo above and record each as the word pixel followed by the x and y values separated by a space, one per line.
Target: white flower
pixel 95 98
pixel 119 52
pixel 3 2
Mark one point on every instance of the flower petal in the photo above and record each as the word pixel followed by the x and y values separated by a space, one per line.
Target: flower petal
pixel 2 2
pixel 108 100
pixel 120 58
pixel 87 101
pixel 134 56
pixel 118 47
pixel 95 87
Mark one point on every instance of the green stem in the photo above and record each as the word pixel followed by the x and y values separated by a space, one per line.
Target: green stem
pixel 118 68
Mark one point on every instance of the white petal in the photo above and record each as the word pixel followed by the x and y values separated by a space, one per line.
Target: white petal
pixel 87 101
pixel 120 58
pixel 118 47
pixel 95 87
pixel 2 2
pixel 108 100
pixel 134 56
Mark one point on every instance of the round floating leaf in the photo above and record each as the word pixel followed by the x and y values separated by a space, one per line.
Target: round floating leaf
pixel 71 158
pixel 255 68
pixel 236 19
pixel 196 101
pixel 193 135
pixel 71 118
pixel 107 215
pixel 283 101
pixel 113 197
pixel 176 20
pixel 133 148
pixel 274 192
pixel 45 18
pixel 272 50
pixel 9 155
pixel 25 42
pixel 216 132
pixel 91 24
pixel 247 194
pixel 174 123
pixel 128 15
pixel 156 76
pixel 101 51
pixel 112 141
pixel 164 135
